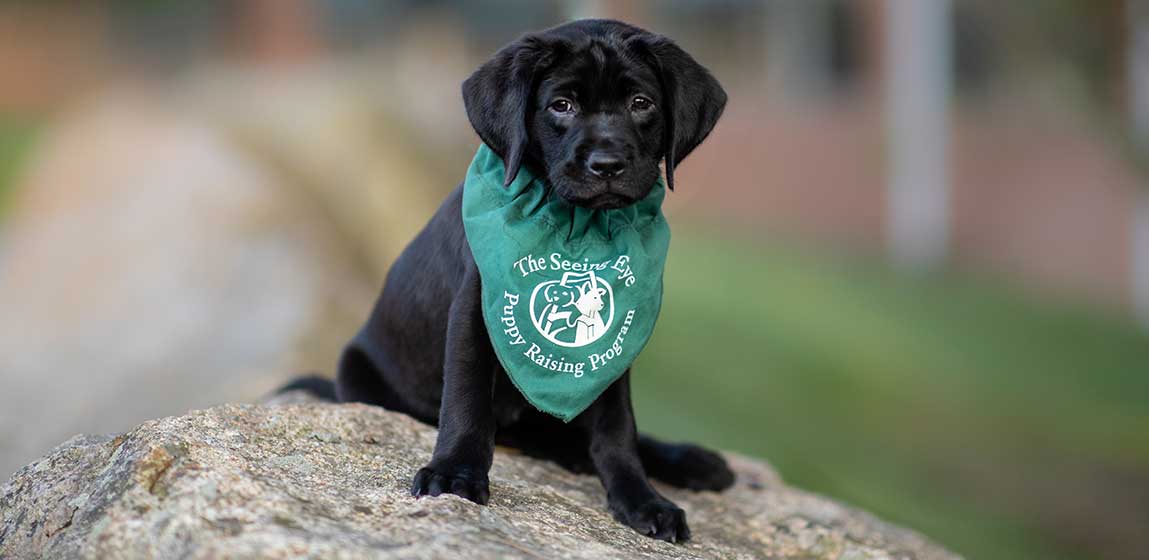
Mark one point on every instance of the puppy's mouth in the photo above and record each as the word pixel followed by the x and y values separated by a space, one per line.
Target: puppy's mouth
pixel 608 201
pixel 598 194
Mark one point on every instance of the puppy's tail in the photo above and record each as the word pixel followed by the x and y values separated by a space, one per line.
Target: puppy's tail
pixel 317 386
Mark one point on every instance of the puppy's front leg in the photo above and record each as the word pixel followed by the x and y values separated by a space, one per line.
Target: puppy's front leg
pixel 614 451
pixel 466 441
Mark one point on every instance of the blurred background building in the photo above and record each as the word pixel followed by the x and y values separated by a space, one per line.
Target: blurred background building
pixel 919 237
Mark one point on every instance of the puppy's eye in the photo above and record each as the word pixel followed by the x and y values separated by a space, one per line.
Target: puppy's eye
pixel 562 106
pixel 640 103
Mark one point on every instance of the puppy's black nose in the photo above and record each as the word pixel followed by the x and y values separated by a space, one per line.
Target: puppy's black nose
pixel 605 165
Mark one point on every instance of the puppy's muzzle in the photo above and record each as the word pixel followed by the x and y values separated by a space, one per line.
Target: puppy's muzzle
pixel 606 165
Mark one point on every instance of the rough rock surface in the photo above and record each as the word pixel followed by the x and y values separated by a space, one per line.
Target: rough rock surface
pixel 331 481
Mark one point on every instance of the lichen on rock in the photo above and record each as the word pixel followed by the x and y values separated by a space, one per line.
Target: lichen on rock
pixel 331 481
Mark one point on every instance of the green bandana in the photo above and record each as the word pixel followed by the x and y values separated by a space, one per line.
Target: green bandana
pixel 570 294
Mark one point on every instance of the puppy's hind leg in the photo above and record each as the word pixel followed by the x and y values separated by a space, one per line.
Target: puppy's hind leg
pixel 684 465
pixel 542 436
pixel 359 381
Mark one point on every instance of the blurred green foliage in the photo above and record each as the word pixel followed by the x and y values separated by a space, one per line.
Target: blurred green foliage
pixel 948 404
pixel 16 138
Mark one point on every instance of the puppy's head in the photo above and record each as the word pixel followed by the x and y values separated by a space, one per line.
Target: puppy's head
pixel 594 105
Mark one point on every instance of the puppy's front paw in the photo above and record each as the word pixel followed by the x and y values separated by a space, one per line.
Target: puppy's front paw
pixel 658 518
pixel 463 482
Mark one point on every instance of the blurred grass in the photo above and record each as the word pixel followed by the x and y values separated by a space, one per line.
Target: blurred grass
pixel 994 424
pixel 16 138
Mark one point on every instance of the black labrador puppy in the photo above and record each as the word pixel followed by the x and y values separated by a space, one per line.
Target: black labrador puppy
pixel 594 106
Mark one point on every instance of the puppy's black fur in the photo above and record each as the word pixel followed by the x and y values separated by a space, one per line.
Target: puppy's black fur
pixel 594 106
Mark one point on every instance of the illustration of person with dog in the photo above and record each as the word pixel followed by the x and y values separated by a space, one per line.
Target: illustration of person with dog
pixel 588 324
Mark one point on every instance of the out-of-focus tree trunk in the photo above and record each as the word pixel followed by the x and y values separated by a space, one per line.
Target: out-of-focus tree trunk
pixel 918 61
pixel 1137 80
pixel 798 48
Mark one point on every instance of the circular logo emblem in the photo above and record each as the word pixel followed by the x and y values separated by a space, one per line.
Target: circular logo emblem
pixel 574 311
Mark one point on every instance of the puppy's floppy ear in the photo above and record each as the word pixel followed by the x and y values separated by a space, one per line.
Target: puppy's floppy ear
pixel 499 95
pixel 692 99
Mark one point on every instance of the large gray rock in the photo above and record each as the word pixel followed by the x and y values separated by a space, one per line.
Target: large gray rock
pixel 331 481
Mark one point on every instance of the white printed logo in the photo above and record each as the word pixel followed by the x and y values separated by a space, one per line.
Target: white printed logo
pixel 570 312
